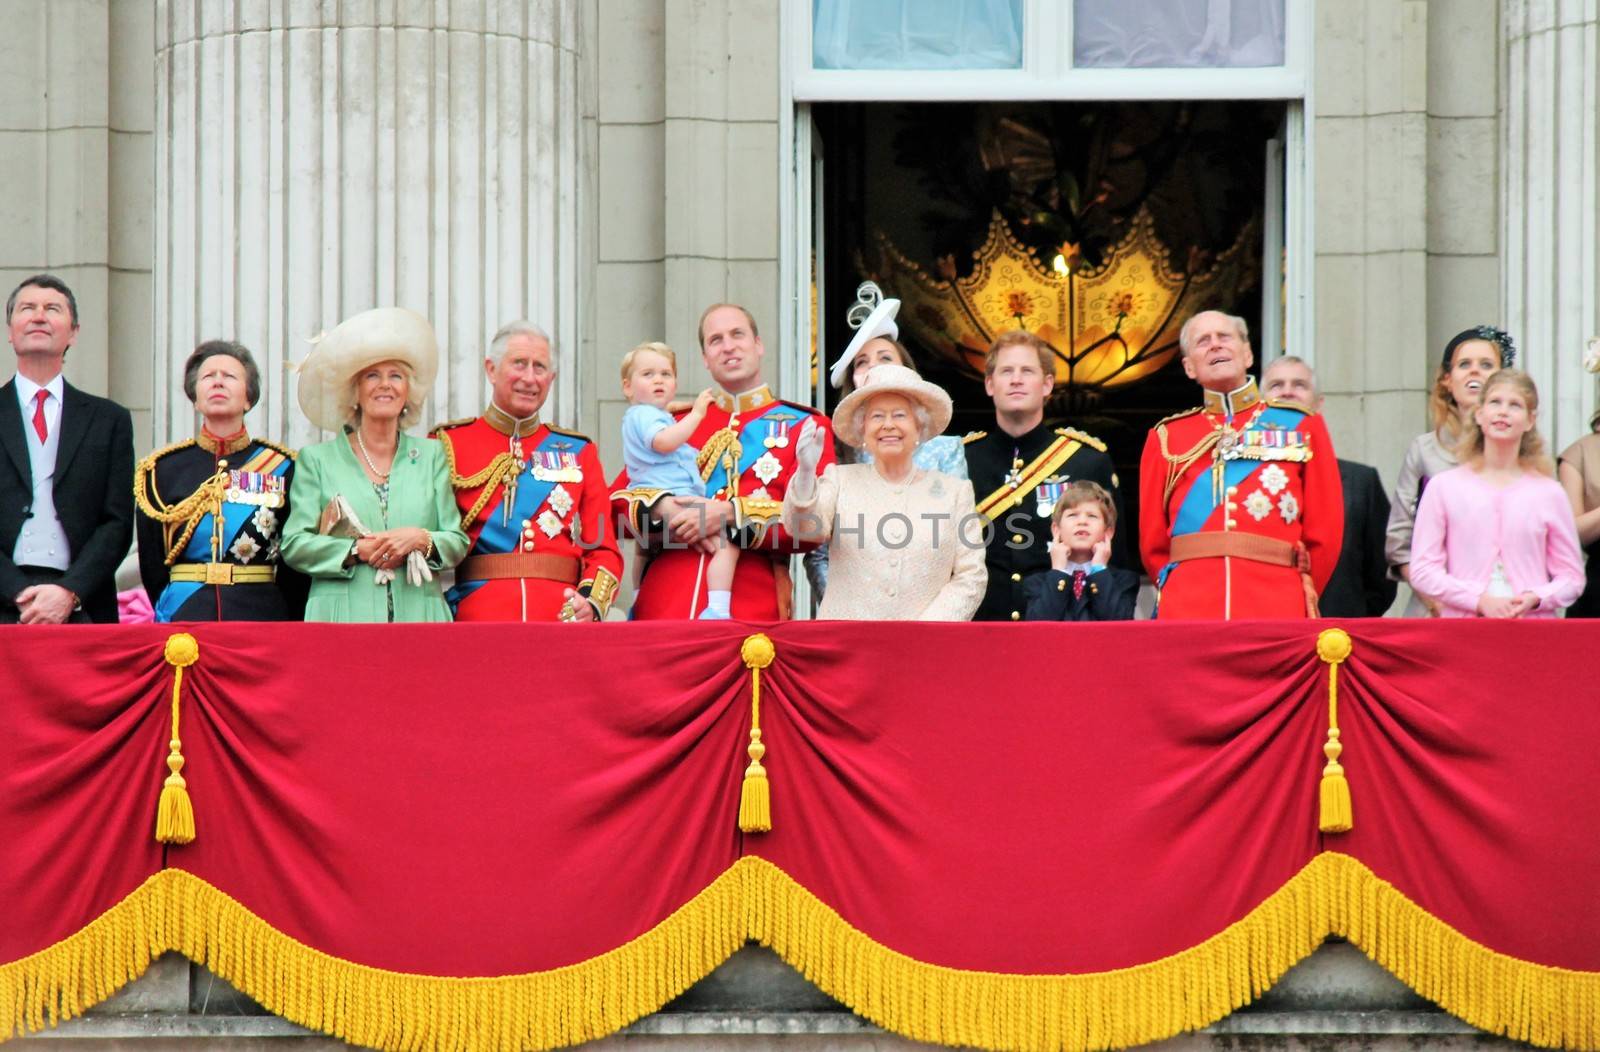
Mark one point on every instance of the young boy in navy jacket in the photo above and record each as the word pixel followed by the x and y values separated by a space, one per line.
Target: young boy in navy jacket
pixel 1080 586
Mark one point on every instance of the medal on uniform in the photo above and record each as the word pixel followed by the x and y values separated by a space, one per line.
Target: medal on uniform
pixel 767 467
pixel 1046 496
pixel 560 500
pixel 1014 476
pixel 777 433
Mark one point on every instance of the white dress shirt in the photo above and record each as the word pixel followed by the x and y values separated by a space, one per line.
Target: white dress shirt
pixel 42 541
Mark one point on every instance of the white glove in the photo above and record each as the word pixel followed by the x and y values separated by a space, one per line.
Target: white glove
pixel 808 449
pixel 417 569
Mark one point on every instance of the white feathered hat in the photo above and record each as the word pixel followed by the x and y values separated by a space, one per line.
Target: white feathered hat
pixel 871 316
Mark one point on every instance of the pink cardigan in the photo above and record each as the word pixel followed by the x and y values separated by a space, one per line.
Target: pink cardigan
pixel 1463 523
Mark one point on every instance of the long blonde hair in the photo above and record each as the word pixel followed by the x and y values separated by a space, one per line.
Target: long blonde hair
pixel 1531 453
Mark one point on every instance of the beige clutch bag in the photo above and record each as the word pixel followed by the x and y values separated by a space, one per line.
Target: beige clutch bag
pixel 339 520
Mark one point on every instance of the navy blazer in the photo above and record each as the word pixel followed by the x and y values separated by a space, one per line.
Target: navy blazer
pixel 93 493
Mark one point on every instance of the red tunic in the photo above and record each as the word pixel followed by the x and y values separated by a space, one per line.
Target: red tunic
pixel 765 430
pixel 1280 480
pixel 572 519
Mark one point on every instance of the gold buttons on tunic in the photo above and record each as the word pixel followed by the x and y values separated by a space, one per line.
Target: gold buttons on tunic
pixel 1016 538
pixel 1016 577
pixel 1016 615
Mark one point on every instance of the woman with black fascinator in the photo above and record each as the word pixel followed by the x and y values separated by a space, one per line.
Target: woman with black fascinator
pixel 1469 359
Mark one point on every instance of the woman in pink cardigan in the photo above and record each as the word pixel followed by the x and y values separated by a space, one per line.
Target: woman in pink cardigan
pixel 1495 537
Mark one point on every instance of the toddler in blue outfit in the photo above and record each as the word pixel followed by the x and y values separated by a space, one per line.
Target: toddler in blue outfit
pixel 658 455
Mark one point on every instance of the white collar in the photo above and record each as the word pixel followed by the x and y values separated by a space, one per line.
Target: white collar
pixel 27 390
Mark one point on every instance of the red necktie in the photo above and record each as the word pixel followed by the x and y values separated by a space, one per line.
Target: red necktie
pixel 1078 579
pixel 38 415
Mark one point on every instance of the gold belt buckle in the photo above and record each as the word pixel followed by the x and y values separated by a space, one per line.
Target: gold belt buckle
pixel 219 573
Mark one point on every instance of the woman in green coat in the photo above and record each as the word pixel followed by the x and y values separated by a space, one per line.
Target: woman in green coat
pixel 372 516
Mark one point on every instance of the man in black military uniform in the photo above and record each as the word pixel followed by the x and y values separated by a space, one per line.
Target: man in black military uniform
pixel 1019 469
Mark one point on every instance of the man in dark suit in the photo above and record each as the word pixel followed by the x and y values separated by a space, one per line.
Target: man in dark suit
pixel 1019 469
pixel 1360 586
pixel 66 477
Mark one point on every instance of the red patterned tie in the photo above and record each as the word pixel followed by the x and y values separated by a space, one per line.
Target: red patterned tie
pixel 1078 579
pixel 38 415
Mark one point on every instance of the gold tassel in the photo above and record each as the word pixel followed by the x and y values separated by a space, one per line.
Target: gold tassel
pixel 175 813
pixel 1333 647
pixel 755 797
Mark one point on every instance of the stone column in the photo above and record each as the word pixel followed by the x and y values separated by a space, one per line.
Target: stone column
pixel 1552 67
pixel 315 158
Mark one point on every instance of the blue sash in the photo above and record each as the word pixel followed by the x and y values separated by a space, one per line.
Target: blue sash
pixel 501 533
pixel 1201 501
pixel 750 449
pixel 198 550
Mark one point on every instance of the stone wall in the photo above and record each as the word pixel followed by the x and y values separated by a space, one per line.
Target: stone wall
pixel 77 108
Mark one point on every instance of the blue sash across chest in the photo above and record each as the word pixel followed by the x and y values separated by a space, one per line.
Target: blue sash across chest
pixel 751 447
pixel 1200 500
pixel 503 533
pixel 234 516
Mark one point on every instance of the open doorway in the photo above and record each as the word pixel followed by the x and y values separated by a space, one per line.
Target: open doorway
pixel 1100 226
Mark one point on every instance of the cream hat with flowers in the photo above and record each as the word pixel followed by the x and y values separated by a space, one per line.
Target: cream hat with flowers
pixel 892 379
pixel 384 334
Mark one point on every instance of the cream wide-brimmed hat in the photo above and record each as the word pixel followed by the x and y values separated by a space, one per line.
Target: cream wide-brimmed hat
pixel 871 316
pixel 384 334
pixel 892 379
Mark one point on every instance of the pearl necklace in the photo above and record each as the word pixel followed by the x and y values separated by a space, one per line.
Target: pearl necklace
pixel 383 476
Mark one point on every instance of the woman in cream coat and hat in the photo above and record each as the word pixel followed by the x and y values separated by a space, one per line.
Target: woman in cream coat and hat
pixel 904 541
pixel 372 555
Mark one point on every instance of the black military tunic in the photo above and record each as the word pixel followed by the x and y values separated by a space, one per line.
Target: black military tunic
pixel 1013 479
pixel 248 480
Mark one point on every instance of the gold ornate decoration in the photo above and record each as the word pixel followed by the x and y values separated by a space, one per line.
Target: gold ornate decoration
pixel 1110 325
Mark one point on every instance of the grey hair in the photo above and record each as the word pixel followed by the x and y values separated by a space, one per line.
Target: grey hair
pixel 497 343
pixel 858 419
pixel 1185 335
pixel 1293 359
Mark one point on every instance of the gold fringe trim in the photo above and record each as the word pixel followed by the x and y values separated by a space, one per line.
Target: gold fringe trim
pixel 754 899
pixel 61 981
pixel 1334 894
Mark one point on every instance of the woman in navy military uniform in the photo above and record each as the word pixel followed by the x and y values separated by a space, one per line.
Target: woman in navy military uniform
pixel 210 508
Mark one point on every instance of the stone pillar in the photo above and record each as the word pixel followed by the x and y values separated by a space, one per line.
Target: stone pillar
pixel 315 158
pixel 1552 68
pixel 1370 137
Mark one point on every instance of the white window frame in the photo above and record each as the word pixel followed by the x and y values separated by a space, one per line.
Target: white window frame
pixel 1047 74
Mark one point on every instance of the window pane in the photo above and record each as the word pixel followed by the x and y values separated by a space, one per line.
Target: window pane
pixel 917 34
pixel 1177 33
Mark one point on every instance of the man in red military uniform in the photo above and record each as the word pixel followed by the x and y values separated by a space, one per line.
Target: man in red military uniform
pixel 1241 512
pixel 533 499
pixel 746 450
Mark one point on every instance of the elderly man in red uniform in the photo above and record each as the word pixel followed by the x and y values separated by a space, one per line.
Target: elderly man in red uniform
pixel 1241 513
pixel 746 452
pixel 533 499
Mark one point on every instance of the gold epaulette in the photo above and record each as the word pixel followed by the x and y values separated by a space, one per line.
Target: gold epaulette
pixel 279 446
pixel 1180 415
pixel 1081 436
pixel 972 436
pixel 462 422
pixel 1283 403
pixel 149 462
pixel 568 433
